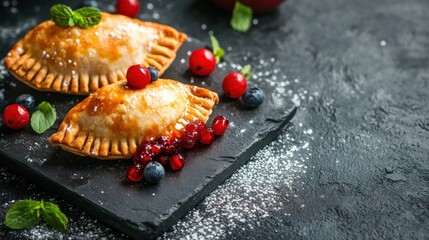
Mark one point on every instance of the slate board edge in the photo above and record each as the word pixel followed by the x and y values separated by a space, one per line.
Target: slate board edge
pixel 200 194
pixel 148 229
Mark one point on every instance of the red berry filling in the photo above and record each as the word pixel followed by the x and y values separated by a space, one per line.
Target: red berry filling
pixel 169 151
pixel 164 160
pixel 173 146
pixel 144 153
pixel 190 137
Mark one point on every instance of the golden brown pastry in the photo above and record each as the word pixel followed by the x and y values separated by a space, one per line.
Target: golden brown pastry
pixel 112 122
pixel 81 60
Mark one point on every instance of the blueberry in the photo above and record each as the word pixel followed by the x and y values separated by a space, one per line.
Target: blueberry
pixel 26 100
pixel 154 74
pixel 1 96
pixel 154 172
pixel 90 3
pixel 253 97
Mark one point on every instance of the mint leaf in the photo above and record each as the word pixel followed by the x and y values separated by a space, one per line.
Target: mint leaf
pixel 23 214
pixel 72 22
pixel 26 213
pixel 61 14
pixel 87 17
pixel 52 214
pixel 217 50
pixel 241 17
pixel 84 17
pixel 246 71
pixel 43 118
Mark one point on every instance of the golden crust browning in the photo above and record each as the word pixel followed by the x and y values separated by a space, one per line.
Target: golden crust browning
pixel 78 60
pixel 112 122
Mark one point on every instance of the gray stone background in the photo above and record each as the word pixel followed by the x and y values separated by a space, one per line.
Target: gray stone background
pixel 354 164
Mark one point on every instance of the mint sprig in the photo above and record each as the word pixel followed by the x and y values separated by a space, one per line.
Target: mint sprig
pixel 61 15
pixel 84 17
pixel 247 72
pixel 52 214
pixel 87 16
pixel 217 50
pixel 26 213
pixel 242 16
pixel 43 118
pixel 23 214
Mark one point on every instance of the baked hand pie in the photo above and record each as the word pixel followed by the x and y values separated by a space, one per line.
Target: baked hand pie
pixel 112 122
pixel 79 60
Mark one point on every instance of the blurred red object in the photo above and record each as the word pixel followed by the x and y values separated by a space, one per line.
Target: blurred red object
pixel 258 6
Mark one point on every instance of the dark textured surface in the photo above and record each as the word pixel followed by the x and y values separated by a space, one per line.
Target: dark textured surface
pixel 141 210
pixel 365 64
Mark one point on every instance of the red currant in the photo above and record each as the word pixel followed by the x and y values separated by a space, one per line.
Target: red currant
pixel 190 137
pixel 234 84
pixel 202 62
pixel 137 76
pixel 135 173
pixel 128 8
pixel 219 125
pixel 15 116
pixel 157 149
pixel 177 161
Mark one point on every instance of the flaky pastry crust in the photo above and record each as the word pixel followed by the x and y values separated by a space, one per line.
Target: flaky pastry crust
pixel 77 60
pixel 113 121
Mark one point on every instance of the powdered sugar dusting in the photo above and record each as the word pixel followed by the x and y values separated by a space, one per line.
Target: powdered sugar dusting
pixel 81 225
pixel 3 72
pixel 12 32
pixel 279 165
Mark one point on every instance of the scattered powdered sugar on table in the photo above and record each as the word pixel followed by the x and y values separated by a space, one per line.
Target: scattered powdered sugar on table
pixel 12 32
pixel 81 226
pixel 3 72
pixel 278 87
pixel 9 34
pixel 252 193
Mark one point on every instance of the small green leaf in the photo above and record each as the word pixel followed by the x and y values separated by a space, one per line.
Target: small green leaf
pixel 84 17
pixel 246 71
pixel 23 214
pixel 72 22
pixel 61 14
pixel 43 118
pixel 52 214
pixel 217 50
pixel 87 16
pixel 77 18
pixel 241 17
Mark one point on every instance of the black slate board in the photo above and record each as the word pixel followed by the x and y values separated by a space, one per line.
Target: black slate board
pixel 142 210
